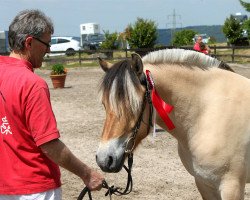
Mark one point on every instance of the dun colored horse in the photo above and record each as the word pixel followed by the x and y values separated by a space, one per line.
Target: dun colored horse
pixel 210 117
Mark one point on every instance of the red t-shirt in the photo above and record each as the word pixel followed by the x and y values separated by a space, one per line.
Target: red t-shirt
pixel 26 121
pixel 197 47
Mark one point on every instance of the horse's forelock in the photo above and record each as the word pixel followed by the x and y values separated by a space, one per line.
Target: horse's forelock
pixel 120 88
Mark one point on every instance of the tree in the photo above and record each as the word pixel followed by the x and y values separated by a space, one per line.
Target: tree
pixel 246 27
pixel 245 5
pixel 246 24
pixel 142 34
pixel 184 37
pixel 233 30
pixel 110 41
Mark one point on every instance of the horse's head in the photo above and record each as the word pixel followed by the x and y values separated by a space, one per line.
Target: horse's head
pixel 123 95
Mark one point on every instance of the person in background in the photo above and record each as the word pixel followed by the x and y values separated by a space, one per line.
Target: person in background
pixel 200 46
pixel 31 151
pixel 204 48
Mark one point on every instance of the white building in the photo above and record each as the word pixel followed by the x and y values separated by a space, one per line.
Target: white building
pixel 89 28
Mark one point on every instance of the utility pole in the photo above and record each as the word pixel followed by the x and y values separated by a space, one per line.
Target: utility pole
pixel 173 23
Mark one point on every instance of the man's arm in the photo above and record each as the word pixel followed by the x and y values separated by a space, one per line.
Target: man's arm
pixel 61 155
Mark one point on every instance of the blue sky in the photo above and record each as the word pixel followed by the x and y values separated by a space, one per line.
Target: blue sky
pixel 115 15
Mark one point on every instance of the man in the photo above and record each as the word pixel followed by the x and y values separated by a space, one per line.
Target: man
pixel 200 46
pixel 30 149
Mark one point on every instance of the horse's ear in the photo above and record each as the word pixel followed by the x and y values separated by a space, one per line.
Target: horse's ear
pixel 104 65
pixel 137 63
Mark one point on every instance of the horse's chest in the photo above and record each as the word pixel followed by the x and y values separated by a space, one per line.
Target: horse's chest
pixel 208 173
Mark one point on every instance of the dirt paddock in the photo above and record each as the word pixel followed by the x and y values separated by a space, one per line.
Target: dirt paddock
pixel 157 170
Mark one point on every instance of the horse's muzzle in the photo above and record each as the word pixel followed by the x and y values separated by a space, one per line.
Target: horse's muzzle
pixel 110 163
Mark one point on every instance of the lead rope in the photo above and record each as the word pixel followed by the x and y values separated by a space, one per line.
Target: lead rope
pixel 114 190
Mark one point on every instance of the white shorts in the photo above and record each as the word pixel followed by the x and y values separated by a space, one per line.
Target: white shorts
pixel 55 194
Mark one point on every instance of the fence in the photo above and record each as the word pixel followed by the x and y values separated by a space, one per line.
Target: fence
pixel 225 53
pixel 232 53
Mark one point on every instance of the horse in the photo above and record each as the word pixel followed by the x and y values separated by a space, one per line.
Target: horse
pixel 209 116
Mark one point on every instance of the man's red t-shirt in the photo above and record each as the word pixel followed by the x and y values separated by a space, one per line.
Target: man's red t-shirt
pixel 197 47
pixel 26 121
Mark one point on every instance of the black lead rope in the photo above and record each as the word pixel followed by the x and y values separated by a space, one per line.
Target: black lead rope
pixel 114 190
pixel 83 192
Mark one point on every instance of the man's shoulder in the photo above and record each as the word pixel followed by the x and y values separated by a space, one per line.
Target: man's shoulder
pixel 196 47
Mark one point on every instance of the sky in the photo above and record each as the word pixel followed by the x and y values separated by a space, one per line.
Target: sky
pixel 116 15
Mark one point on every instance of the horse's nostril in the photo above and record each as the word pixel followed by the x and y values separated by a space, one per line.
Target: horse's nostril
pixel 110 161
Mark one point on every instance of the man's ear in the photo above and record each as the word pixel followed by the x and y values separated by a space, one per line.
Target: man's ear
pixel 137 65
pixel 104 65
pixel 27 42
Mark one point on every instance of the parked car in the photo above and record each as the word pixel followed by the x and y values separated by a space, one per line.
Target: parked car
pixel 92 41
pixel 68 44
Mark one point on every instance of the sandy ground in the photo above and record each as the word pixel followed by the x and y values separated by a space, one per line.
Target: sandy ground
pixel 157 170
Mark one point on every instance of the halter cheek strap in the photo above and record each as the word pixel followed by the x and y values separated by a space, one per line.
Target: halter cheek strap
pixel 130 143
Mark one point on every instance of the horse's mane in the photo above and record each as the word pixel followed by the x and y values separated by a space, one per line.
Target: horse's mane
pixel 184 57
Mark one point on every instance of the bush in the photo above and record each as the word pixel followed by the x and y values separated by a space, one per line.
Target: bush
pixel 110 41
pixel 183 38
pixel 142 34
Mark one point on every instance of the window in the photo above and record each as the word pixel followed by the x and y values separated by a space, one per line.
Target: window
pixel 53 41
pixel 59 41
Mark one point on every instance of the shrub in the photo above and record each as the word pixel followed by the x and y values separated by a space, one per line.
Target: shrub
pixel 184 37
pixel 58 69
pixel 142 34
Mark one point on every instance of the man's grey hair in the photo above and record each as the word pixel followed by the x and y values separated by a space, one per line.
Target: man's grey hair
pixel 28 23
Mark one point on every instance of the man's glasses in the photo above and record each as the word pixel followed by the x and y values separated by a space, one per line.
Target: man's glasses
pixel 46 44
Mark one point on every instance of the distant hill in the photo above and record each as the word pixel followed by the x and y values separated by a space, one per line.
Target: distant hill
pixel 164 35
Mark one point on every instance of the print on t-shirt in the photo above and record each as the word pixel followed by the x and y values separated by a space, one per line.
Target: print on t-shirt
pixel 5 127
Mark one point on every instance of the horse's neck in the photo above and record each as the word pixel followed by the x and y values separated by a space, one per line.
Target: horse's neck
pixel 180 87
pixel 173 82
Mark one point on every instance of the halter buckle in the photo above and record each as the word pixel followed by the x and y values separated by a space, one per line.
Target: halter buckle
pixel 130 145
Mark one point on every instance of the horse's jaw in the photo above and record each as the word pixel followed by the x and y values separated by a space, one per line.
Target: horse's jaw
pixel 110 155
